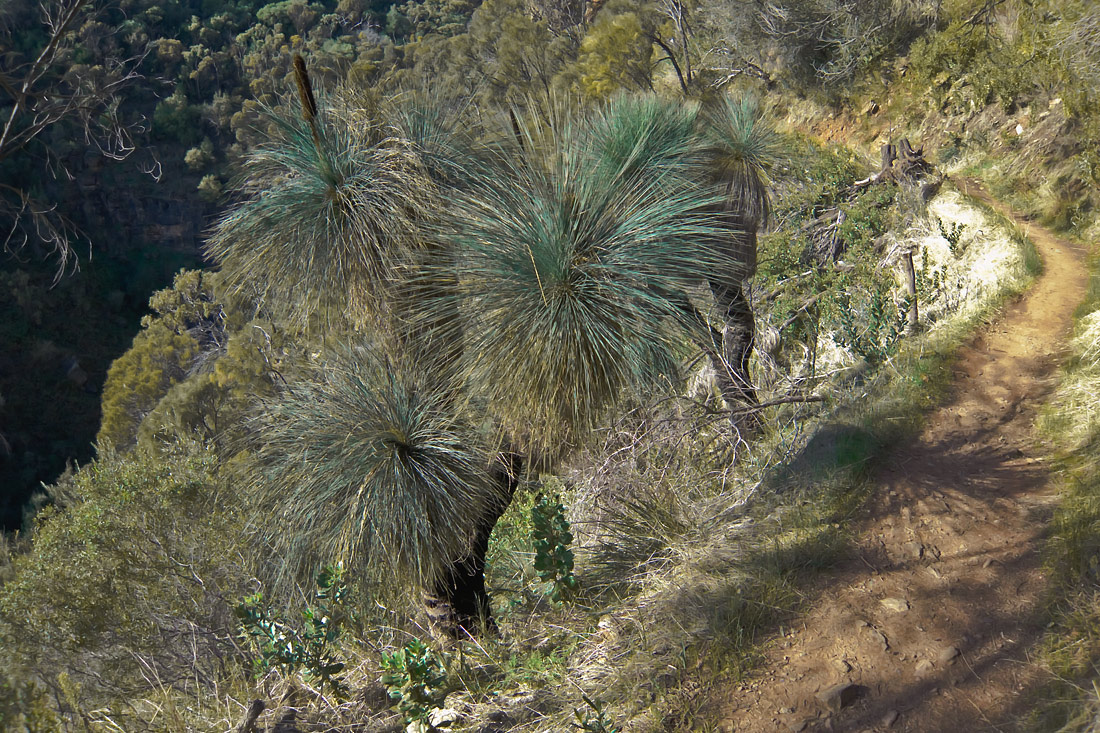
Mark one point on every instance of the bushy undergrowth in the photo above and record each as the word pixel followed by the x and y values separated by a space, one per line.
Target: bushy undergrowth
pixel 122 591
pixel 1006 92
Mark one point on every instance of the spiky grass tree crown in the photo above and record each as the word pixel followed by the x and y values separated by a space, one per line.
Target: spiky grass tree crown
pixel 365 462
pixel 439 133
pixel 570 277
pixel 326 215
pixel 645 136
pixel 743 147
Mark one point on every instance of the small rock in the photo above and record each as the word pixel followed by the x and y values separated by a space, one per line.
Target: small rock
pixel 798 727
pixel 890 718
pixel 914 550
pixel 839 696
pixel 948 655
pixel 879 637
pixel 924 667
pixel 441 717
pixel 897 605
pixel 727 726
pixel 786 711
pixel 842 666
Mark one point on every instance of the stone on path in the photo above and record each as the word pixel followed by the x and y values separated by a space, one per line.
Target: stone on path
pixel 839 696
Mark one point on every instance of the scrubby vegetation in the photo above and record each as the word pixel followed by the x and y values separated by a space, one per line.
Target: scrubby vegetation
pixel 1070 702
pixel 493 412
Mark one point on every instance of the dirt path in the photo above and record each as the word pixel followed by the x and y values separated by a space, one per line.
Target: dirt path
pixel 930 624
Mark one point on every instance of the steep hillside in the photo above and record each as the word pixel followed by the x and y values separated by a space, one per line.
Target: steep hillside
pixel 935 621
pixel 559 365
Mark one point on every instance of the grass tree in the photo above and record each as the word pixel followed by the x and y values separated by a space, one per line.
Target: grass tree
pixel 366 460
pixel 539 287
pixel 569 266
pixel 742 147
pixel 327 214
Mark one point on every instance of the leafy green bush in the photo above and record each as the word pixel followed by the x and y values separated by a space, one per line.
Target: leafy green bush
pixel 25 704
pixel 867 218
pixel 123 587
pixel 965 65
pixel 194 369
pixel 417 680
pixel 553 558
pixel 310 648
pixel 137 380
pixel 176 119
pixel 870 323
pixel 953 235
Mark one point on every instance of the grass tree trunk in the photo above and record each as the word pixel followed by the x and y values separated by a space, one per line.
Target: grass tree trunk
pixel 459 604
pixel 738 338
pixel 738 335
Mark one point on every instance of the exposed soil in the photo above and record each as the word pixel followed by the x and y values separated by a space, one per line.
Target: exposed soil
pixel 931 623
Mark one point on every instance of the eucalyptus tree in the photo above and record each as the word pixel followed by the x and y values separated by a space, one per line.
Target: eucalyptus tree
pixel 505 302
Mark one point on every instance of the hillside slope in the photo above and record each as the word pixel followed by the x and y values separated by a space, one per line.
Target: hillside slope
pixel 931 622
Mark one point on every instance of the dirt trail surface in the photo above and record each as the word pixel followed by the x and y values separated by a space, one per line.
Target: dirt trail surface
pixel 929 625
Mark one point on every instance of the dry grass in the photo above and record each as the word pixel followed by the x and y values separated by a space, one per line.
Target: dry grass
pixel 1070 702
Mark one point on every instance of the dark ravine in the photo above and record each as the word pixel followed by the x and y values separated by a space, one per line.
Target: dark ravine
pixel 141 233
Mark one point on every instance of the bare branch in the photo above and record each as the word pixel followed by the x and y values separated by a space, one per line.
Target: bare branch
pixel 49 91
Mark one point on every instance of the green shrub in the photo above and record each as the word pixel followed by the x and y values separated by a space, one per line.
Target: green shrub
pixel 123 587
pixel 417 680
pixel 192 372
pixel 966 66
pixel 551 535
pixel 310 648
pixel 177 120
pixel 867 218
pixel 870 322
pixel 137 380
pixel 952 235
